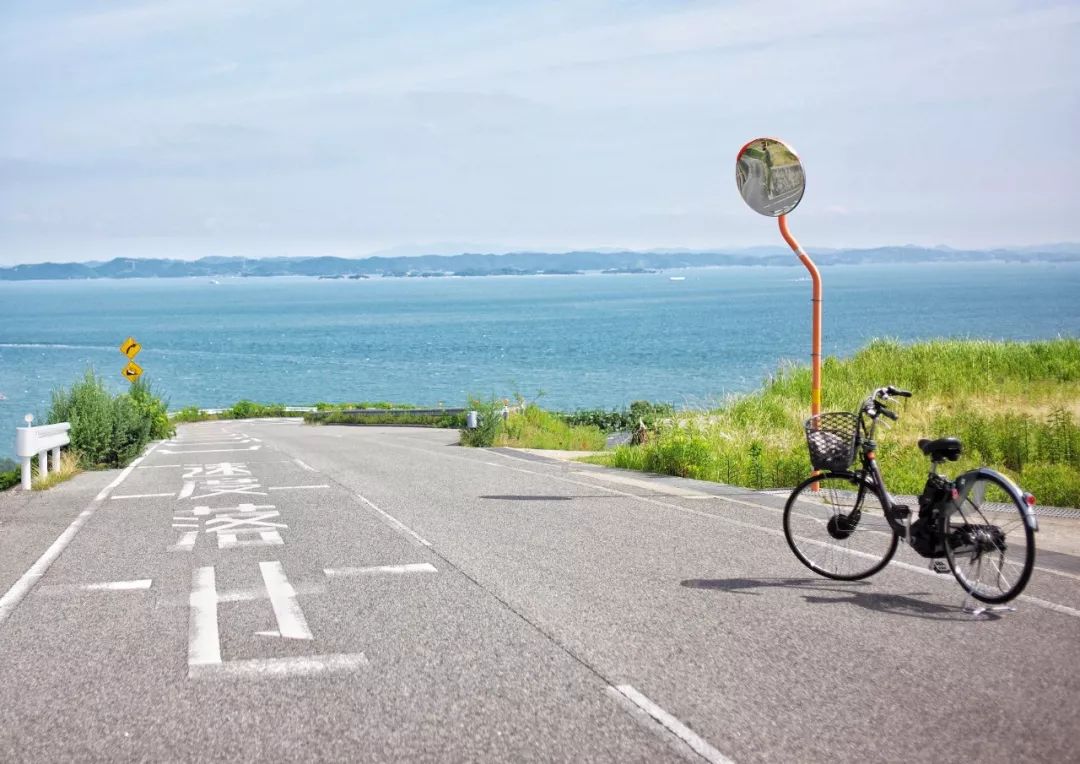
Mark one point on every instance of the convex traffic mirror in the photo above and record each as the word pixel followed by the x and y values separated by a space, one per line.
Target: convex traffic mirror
pixel 770 176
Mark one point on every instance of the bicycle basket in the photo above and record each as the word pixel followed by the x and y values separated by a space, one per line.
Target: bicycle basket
pixel 832 438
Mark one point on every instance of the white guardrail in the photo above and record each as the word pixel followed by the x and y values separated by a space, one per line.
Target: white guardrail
pixel 31 440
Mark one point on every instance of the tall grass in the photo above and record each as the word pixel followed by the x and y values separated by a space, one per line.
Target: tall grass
pixel 1015 405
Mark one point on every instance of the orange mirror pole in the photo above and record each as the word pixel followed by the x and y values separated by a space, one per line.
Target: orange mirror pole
pixel 815 342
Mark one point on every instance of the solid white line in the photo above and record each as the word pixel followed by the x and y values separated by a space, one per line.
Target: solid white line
pixel 142 583
pixel 26 582
pixel 186 542
pixel 295 487
pixel 267 668
pixel 673 725
pixel 142 496
pixel 290 618
pixel 308 467
pixel 1053 606
pixel 210 450
pixel 187 490
pixel 397 523
pixel 414 567
pixel 204 644
pixel 652 486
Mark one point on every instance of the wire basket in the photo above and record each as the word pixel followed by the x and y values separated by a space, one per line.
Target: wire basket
pixel 832 439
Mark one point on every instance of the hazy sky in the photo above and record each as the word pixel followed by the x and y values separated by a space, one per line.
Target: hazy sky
pixel 272 127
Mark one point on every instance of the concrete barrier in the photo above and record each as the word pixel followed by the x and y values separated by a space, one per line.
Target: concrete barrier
pixel 31 440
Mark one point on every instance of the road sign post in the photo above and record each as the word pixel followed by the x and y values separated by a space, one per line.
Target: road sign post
pixel 130 348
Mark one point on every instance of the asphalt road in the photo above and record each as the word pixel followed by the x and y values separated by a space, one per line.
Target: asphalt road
pixel 269 590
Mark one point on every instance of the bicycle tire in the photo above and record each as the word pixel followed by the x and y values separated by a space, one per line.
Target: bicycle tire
pixel 970 544
pixel 824 542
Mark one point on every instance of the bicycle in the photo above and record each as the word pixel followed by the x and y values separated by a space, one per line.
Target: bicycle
pixel 843 523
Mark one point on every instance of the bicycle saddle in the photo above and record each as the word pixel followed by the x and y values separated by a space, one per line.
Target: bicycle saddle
pixel 941 449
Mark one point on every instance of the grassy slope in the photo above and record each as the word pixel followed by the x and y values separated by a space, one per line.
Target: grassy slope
pixel 1014 404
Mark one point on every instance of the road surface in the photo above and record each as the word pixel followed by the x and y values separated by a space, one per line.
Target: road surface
pixel 270 590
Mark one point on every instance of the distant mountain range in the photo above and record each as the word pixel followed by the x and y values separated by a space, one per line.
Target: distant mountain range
pixel 515 263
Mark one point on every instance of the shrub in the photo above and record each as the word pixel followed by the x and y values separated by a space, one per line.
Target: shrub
pixel 108 430
pixel 490 423
pixel 532 427
pixel 153 409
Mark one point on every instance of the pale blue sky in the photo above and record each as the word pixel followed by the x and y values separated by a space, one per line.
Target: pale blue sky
pixel 277 127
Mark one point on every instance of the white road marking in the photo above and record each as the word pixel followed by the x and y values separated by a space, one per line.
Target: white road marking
pixel 396 523
pixel 204 643
pixel 265 668
pixel 290 618
pixel 1053 606
pixel 210 451
pixel 186 542
pixel 414 567
pixel 651 485
pixel 307 467
pixel 187 490
pixel 673 725
pixel 142 496
pixel 26 582
pixel 111 586
pixel 255 595
pixel 295 487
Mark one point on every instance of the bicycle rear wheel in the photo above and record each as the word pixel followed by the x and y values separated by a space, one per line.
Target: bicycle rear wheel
pixel 836 526
pixel 989 545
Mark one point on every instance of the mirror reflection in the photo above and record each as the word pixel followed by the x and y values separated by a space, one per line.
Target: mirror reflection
pixel 769 176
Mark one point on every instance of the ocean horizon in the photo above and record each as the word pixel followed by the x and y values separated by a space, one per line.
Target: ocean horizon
pixel 574 341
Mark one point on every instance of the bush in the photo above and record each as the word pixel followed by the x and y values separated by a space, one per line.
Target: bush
pixel 192 414
pixel 108 430
pixel 449 421
pixel 153 409
pixel 9 478
pixel 624 420
pixel 489 425
pixel 246 409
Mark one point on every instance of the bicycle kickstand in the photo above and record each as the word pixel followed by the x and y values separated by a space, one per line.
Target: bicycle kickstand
pixel 975 609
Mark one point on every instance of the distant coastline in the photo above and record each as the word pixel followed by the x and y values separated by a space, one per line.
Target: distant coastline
pixel 511 264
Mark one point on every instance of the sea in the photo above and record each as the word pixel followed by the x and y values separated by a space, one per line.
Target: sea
pixel 574 341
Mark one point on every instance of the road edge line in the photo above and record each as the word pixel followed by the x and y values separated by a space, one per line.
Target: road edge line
pixel 18 591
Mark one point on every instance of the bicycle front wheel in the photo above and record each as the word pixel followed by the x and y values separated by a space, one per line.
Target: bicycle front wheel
pixel 836 526
pixel 989 545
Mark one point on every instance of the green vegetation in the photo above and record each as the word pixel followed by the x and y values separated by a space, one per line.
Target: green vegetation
pixel 532 427
pixel 1015 406
pixel 324 406
pixel 243 409
pixel 622 420
pixel 528 426
pixel 9 473
pixel 489 421
pixel 416 420
pixel 109 430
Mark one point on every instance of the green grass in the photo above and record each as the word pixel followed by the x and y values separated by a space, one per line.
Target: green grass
pixel 415 420
pixel 1015 405
pixel 536 428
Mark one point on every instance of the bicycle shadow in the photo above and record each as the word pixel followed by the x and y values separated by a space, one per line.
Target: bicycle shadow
pixel 818 591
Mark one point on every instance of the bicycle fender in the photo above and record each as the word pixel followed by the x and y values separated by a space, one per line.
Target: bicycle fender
pixel 963 481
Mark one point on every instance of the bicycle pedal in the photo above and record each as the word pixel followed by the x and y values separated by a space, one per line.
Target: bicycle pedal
pixel 900 511
pixel 939 566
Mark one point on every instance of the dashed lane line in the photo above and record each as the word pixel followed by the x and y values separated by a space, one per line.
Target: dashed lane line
pixel 696 743
pixel 415 567
pixel 117 586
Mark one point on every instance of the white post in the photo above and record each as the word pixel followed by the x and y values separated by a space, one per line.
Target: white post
pixel 56 459
pixel 43 464
pixel 26 473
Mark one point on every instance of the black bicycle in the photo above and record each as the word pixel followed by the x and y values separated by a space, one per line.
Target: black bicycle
pixel 843 523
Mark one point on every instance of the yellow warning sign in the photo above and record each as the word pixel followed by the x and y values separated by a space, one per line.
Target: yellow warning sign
pixel 132 371
pixel 130 347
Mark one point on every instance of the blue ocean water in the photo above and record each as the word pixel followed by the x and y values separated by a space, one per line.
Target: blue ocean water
pixel 592 340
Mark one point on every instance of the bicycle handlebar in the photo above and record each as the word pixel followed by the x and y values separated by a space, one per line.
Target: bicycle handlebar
pixel 875 404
